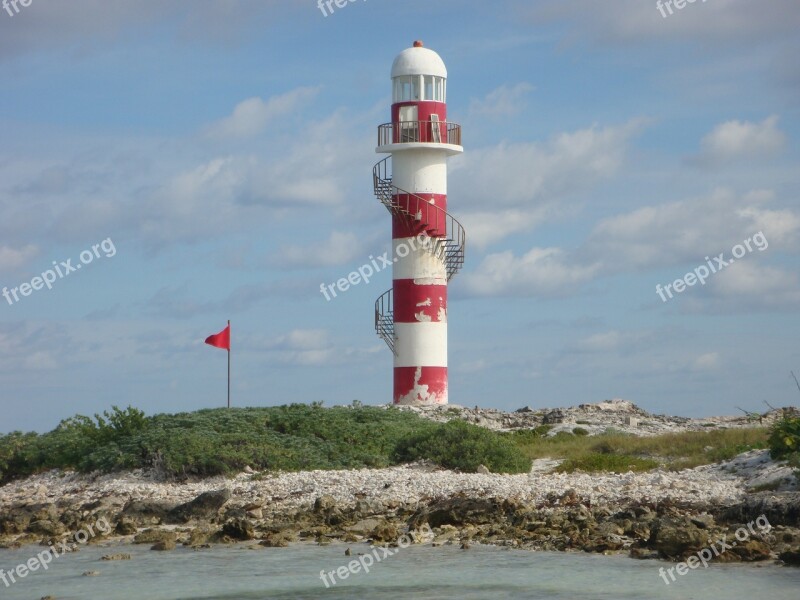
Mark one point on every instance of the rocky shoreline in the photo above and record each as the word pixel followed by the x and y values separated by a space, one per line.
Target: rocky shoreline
pixel 617 414
pixel 659 514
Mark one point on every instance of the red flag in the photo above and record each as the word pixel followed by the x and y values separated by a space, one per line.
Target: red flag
pixel 221 339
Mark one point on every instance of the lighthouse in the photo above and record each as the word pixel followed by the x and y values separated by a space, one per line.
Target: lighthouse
pixel 427 241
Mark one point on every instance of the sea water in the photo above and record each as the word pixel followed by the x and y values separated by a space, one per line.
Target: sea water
pixel 480 573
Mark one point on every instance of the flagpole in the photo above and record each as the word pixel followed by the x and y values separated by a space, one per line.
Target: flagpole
pixel 229 365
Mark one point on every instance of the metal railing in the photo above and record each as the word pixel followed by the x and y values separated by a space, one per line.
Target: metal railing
pixel 384 317
pixel 447 234
pixel 429 132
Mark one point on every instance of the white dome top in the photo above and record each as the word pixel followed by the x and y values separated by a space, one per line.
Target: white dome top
pixel 418 61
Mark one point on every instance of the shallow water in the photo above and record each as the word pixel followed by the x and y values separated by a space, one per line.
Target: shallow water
pixel 415 572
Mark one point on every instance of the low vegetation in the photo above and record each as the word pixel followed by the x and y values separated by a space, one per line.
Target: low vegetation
pixel 307 437
pixel 616 451
pixel 784 441
pixel 223 441
pixel 462 446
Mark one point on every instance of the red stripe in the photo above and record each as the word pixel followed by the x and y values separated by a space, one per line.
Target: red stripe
pixel 432 220
pixel 426 108
pixel 429 387
pixel 408 297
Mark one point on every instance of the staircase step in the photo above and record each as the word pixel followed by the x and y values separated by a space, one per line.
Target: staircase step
pixel 449 249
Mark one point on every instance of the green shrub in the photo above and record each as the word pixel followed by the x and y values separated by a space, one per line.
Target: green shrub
pixel 463 446
pixel 224 441
pixel 306 437
pixel 770 486
pixel 673 450
pixel 784 439
pixel 522 437
pixel 17 451
pixel 580 431
pixel 616 463
pixel 794 461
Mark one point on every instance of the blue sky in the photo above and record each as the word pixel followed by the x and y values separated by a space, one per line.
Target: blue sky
pixel 226 148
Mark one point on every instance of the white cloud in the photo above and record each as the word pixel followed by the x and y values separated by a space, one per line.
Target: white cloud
pixel 601 342
pixel 688 230
pixel 714 46
pixel 40 361
pixel 626 21
pixel 505 101
pixel 770 285
pixel 539 272
pixel 250 117
pixel 484 228
pixel 304 339
pixel 474 366
pixel 783 225
pixel 512 174
pixel 13 258
pixel 707 362
pixel 83 27
pixel 167 200
pixel 735 140
pixel 524 183
pixel 340 248
pixel 611 341
pixel 27 346
pixel 521 173
pixel 182 302
pixel 678 234
pixel 306 347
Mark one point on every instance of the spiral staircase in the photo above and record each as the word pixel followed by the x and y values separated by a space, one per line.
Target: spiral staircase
pixel 445 237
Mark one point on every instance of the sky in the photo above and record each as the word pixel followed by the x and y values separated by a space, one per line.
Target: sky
pixel 206 160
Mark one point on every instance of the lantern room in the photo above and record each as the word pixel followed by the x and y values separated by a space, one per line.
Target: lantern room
pixel 419 96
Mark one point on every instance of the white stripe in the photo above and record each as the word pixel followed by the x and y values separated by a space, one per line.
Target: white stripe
pixel 398 149
pixel 420 172
pixel 420 344
pixel 420 264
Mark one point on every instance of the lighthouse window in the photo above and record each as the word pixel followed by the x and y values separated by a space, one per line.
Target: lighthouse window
pixel 419 87
pixel 406 88
pixel 434 88
pixel 402 88
pixel 429 88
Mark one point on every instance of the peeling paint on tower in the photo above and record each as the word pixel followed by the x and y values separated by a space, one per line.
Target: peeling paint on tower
pixel 412 183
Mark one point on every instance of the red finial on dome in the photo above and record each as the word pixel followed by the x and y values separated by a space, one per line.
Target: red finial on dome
pixel 418 44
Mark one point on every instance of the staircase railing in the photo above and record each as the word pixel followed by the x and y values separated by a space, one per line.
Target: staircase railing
pixel 445 233
pixel 384 317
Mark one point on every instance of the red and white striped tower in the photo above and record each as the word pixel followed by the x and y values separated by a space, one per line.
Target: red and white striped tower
pixel 428 243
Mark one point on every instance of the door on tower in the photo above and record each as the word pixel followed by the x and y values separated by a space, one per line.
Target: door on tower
pixel 409 124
